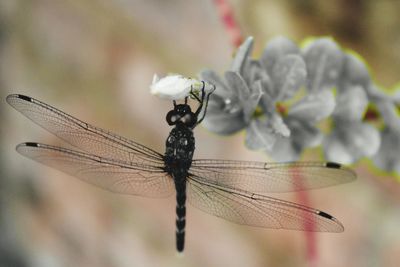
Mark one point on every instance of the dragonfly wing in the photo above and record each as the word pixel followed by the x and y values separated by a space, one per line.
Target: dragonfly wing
pixel 246 208
pixel 83 135
pixel 260 177
pixel 110 174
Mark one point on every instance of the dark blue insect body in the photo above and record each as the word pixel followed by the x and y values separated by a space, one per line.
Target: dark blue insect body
pixel 178 156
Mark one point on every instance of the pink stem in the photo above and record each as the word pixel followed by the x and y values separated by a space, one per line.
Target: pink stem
pixel 309 225
pixel 228 19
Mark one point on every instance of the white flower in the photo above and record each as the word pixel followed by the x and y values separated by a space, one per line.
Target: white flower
pixel 265 83
pixel 265 97
pixel 176 86
pixel 351 138
pixel 387 157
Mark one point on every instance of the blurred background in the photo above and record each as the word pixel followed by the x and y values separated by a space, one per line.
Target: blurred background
pixel 95 60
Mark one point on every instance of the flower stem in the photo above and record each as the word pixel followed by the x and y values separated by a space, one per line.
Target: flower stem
pixel 309 225
pixel 228 19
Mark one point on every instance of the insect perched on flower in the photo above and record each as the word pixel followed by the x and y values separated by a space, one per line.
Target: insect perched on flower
pixel 233 190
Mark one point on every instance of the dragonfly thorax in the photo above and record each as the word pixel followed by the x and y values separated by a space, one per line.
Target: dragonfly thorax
pixel 180 146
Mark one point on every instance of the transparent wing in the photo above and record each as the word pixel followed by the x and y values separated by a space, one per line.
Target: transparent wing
pixel 83 135
pixel 260 177
pixel 111 174
pixel 247 208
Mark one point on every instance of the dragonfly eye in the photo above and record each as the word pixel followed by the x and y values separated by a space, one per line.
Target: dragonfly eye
pixel 189 119
pixel 172 117
pixel 186 118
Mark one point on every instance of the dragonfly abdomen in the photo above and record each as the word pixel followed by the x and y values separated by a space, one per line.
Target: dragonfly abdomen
pixel 180 213
pixel 180 146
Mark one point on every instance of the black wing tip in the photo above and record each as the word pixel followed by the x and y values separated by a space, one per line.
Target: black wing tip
pixel 333 165
pixel 23 97
pixel 30 144
pixel 33 144
pixel 339 228
pixel 326 215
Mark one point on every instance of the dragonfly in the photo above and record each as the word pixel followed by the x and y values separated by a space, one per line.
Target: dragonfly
pixel 230 189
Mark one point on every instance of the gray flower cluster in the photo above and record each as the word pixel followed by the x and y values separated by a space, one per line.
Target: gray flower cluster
pixel 388 156
pixel 282 97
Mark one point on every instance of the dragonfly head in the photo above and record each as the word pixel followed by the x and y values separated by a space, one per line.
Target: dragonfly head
pixel 181 114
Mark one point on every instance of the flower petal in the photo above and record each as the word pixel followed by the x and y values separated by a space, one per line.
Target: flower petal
pixel 303 133
pixel 253 71
pixel 387 157
pixel 375 94
pixel 250 104
pixel 275 50
pixel 336 150
pixel 365 138
pixel 259 136
pixel 267 103
pixel 389 114
pixel 256 73
pixel 313 107
pixel 242 54
pixel 355 71
pixel 324 61
pixel 351 103
pixel 288 75
pixel 221 119
pixel 396 94
pixel 283 150
pixel 278 125
pixel 237 85
pixel 221 89
pixel 351 141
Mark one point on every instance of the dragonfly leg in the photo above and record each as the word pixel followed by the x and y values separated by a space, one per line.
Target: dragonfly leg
pixel 204 97
pixel 193 95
